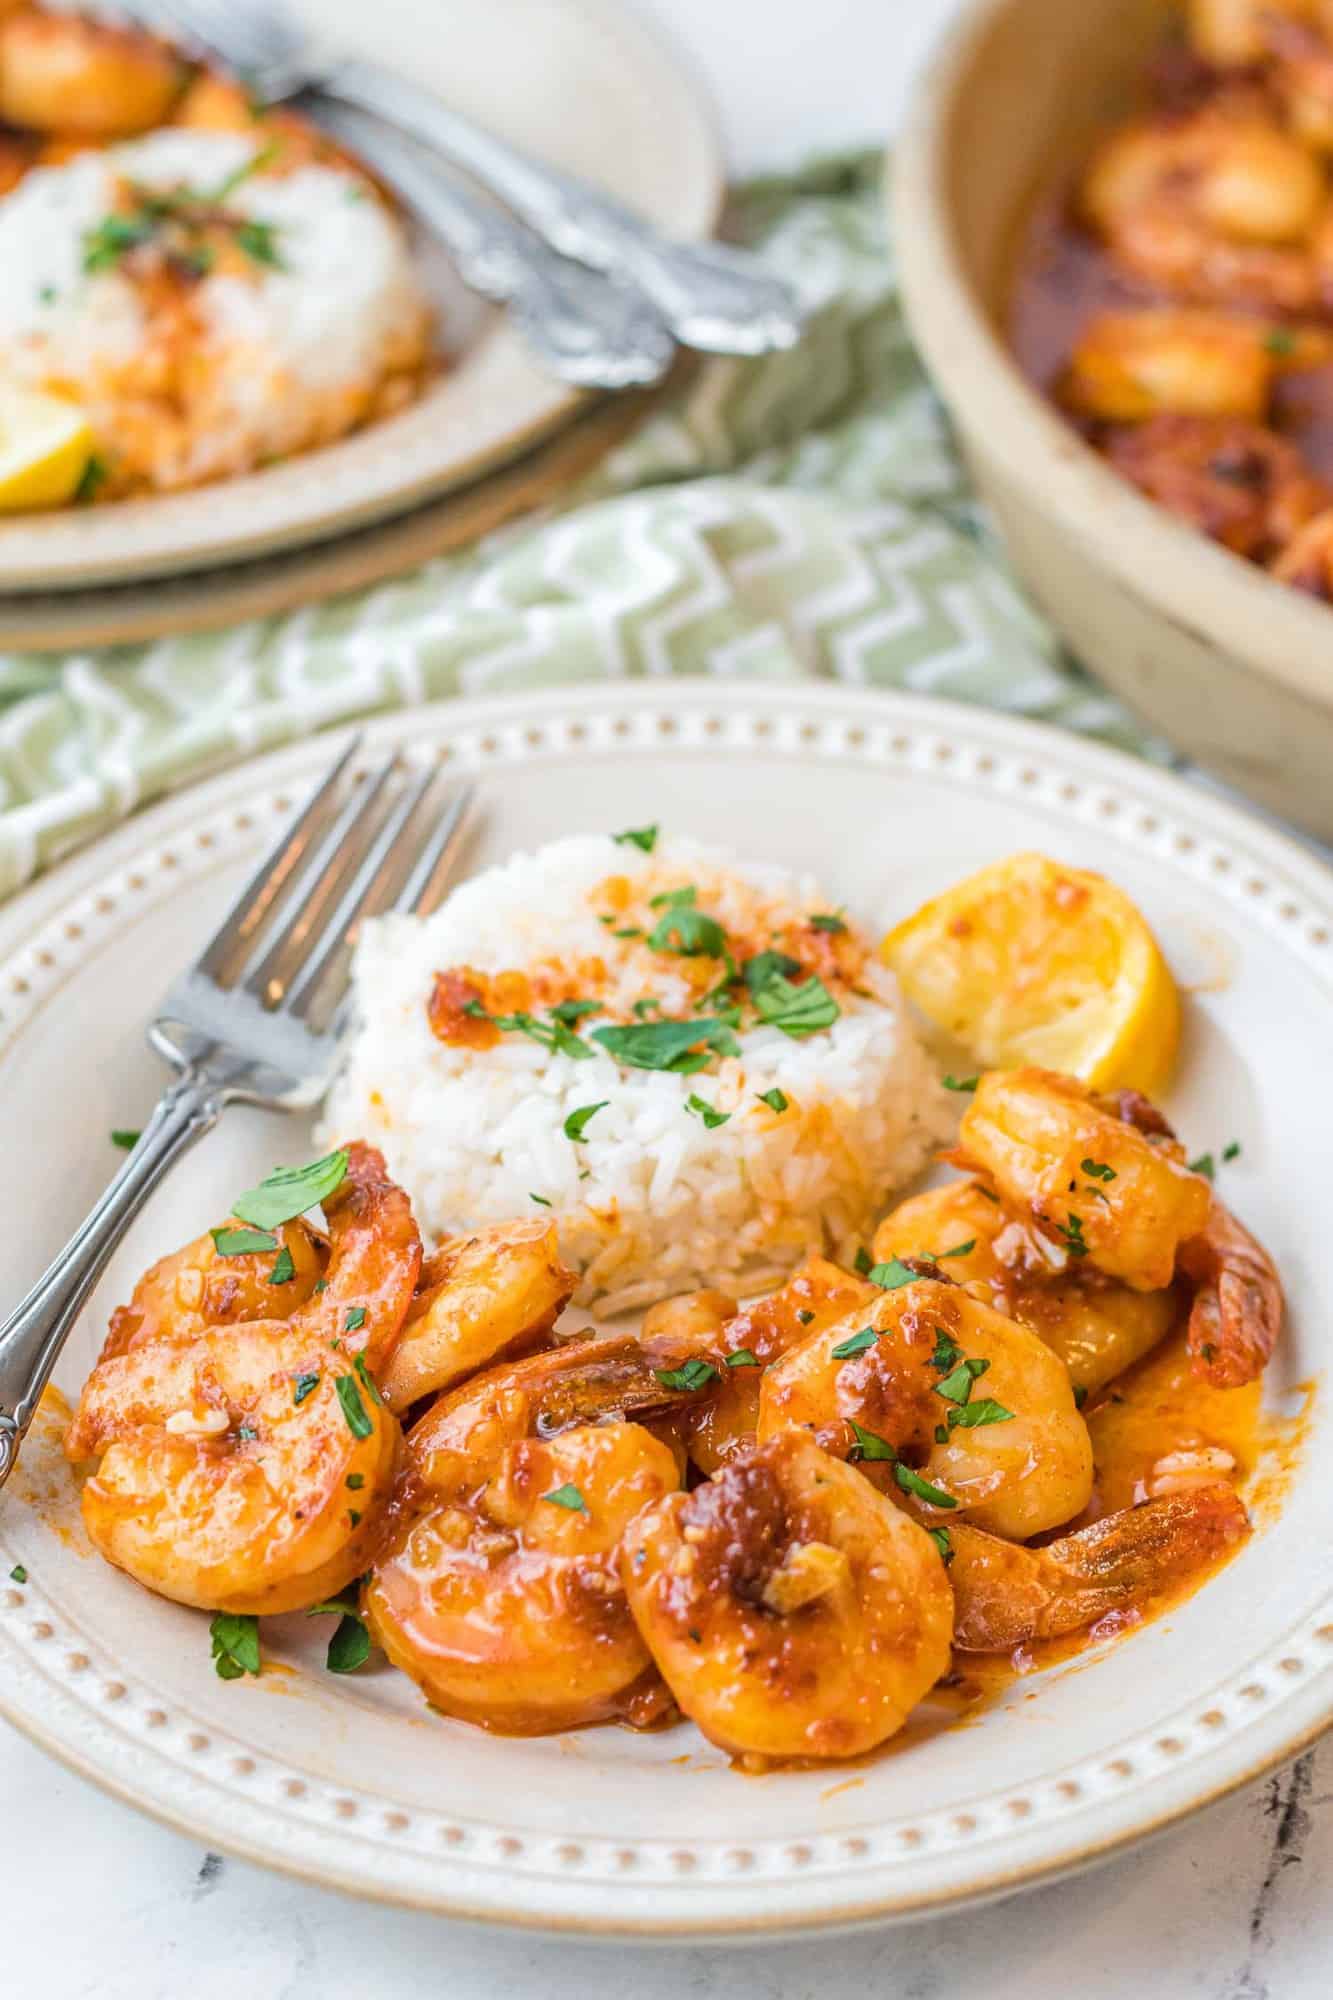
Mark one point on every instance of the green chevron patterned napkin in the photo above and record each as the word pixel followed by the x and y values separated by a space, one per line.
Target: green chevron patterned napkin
pixel 799 515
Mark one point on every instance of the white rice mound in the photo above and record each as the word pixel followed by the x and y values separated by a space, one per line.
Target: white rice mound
pixel 650 1202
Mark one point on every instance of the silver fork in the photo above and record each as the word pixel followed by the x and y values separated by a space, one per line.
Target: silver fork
pixel 255 1020
pixel 710 295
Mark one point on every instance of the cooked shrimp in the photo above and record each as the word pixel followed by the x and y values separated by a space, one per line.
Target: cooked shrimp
pixel 248 1471
pixel 740 1345
pixel 1129 365
pixel 1007 1596
pixel 792 1610
pixel 1094 1185
pixel 894 1384
pixel 1306 563
pixel 1213 206
pixel 1237 1312
pixel 374 1261
pixel 479 1298
pixel 1097 1326
pixel 498 1594
pixel 197 1290
pixel 1240 484
pixel 63 73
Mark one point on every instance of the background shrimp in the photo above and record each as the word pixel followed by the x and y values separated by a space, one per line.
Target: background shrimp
pixel 793 1611
pixel 88 79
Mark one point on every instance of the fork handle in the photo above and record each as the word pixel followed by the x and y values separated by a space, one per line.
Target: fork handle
pixel 33 1335
pixel 711 296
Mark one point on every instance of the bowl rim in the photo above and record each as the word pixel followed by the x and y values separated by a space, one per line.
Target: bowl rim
pixel 1213 596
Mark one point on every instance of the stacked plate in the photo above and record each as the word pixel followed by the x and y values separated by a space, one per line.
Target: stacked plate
pixel 578 85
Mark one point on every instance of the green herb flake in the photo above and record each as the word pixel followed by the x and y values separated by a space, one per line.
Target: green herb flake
pixel 306 1385
pixel 960 1249
pixel 742 1357
pixel 1072 1234
pixel 355 1320
pixel 355 1481
pixel 855 1343
pixel 805 1317
pixel 957 1386
pixel 127 1141
pixel 668 1045
pixel 321 1284
pixel 259 241
pixel 642 837
pixel 826 921
pixel 230 1242
pixel 709 1113
pixel 568 1497
pixel 91 480
pixel 349 1648
pixel 692 1374
pixel 367 1384
pixel 570 1012
pixel 940 1537
pixel 358 1423
pixel 688 933
pixel 1080 1394
pixel 960 1082
pixel 578 1121
pixel 868 1446
pixel 974 1415
pixel 891 1275
pixel 863 1263
pixel 235 1637
pixel 643 1008
pixel 1232 1150
pixel 1280 340
pixel 947 1351
pixel 291 1191
pixel 797 1010
pixel 245 1434
pixel 1097 1170
pixel 110 239
pixel 540 1200
pixel 1205 1165
pixel 776 1100
pixel 18 1574
pixel 912 1482
pixel 284 1269
pixel 353 1518
pixel 941 1434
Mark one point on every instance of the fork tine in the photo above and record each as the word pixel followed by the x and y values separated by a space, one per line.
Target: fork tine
pixel 359 898
pixel 248 913
pixel 338 854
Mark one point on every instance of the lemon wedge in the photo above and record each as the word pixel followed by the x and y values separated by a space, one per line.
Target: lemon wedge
pixel 45 449
pixel 1032 962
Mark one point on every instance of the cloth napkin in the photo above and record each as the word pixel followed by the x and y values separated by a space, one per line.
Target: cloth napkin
pixel 801 515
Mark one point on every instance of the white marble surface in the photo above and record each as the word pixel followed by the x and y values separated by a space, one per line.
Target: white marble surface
pixel 102 1904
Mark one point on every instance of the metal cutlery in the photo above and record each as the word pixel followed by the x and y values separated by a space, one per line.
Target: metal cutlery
pixel 255 1020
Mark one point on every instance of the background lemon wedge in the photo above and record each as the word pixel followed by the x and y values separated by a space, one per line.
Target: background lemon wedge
pixel 1032 962
pixel 45 449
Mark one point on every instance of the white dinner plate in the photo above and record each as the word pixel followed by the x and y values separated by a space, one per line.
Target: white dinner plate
pixel 353 1782
pixel 579 83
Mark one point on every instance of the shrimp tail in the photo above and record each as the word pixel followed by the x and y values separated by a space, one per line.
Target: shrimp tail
pixel 1006 1595
pixel 1237 1311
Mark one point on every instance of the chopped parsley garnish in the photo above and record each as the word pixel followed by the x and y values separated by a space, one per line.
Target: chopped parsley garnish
pixel 554 1034
pixel 355 1481
pixel 358 1423
pixel 349 1648
pixel 291 1191
pixel 766 966
pixel 941 1434
pixel 1205 1165
pixel 235 1637
pixel 127 1141
pixel 776 1100
pixel 687 931
pixel 855 1343
pixel 912 1482
pixel 1097 1170
pixel 668 1045
pixel 108 240
pixel 355 1320
pixel 259 241
pixel 957 1385
pixel 989 1193
pixel 540 1200
pixel 18 1574
pixel 573 1011
pixel 796 1010
pixel 947 1351
pixel 578 1121
pixel 960 1082
pixel 643 1008
pixel 241 1242
pixel 863 1262
pixel 245 1434
pixel 1231 1151
pixel 828 922
pixel 1080 1394
pixel 1072 1233
pixel 805 1318
pixel 889 1276
pixel 742 1357
pixel 353 1518
pixel 973 1415
pixel 961 1249
pixel 321 1284
pixel 1280 340
pixel 628 930
pixel 94 476
pixel 284 1269
pixel 642 837
pixel 360 1366
pixel 692 1374
pixel 940 1537
pixel 306 1385
pixel 568 1497
pixel 709 1113
pixel 868 1446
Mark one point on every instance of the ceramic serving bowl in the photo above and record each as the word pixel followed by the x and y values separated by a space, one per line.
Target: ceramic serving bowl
pixel 1235 669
